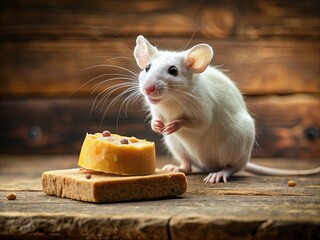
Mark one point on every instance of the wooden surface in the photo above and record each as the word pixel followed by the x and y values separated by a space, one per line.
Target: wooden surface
pixel 269 48
pixel 258 67
pixel 250 19
pixel 247 207
pixel 286 126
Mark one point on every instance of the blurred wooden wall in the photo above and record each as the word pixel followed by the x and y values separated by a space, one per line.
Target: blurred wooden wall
pixel 271 49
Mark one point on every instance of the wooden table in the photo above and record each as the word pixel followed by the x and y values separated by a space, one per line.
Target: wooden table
pixel 247 207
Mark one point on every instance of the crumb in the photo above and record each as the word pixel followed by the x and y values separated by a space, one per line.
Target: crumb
pixel 106 133
pixel 124 141
pixel 291 183
pixel 11 196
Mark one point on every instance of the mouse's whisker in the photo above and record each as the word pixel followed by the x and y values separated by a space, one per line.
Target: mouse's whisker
pixel 111 74
pixel 110 80
pixel 110 58
pixel 119 41
pixel 116 99
pixel 112 66
pixel 195 113
pixel 186 94
pixel 180 103
pixel 107 93
pixel 97 77
pixel 137 95
pixel 116 77
pixel 187 99
pixel 123 57
pixel 194 33
pixel 127 100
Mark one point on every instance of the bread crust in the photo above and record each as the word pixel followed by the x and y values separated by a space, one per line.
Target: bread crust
pixel 102 187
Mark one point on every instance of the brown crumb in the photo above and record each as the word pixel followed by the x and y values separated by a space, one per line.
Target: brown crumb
pixel 106 133
pixel 11 196
pixel 291 183
pixel 88 176
pixel 124 141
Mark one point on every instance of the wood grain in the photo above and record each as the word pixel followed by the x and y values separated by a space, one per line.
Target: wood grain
pixel 53 126
pixel 213 19
pixel 244 208
pixel 284 122
pixel 51 49
pixel 59 125
pixel 271 49
pixel 259 67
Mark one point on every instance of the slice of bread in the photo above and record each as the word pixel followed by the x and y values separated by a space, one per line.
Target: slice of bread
pixel 111 154
pixel 90 186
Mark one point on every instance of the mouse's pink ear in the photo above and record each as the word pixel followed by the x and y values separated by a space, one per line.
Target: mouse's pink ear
pixel 198 58
pixel 143 52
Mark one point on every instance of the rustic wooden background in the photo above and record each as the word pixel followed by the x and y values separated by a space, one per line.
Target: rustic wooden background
pixel 270 49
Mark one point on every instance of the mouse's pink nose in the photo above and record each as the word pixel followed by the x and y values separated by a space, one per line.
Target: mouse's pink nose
pixel 150 89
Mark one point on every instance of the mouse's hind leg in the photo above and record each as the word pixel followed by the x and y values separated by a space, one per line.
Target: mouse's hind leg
pixel 227 171
pixel 216 177
pixel 179 154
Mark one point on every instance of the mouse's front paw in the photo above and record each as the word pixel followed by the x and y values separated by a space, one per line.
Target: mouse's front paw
pixel 157 126
pixel 173 126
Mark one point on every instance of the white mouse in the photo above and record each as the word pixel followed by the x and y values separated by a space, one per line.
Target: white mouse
pixel 199 111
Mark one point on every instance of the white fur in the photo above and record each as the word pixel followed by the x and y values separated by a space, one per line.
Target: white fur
pixel 217 133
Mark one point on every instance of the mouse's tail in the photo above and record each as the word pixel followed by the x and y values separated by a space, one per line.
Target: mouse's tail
pixel 262 170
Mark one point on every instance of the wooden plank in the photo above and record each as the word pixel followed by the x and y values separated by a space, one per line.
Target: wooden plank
pixel 287 126
pixel 26 176
pixel 244 208
pixel 56 126
pixel 62 226
pixel 259 67
pixel 60 19
pixel 108 226
pixel 211 228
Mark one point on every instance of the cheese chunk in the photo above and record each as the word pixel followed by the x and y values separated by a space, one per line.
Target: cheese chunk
pixel 112 154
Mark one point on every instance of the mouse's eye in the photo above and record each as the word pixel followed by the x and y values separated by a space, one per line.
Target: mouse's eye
pixel 173 70
pixel 148 67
